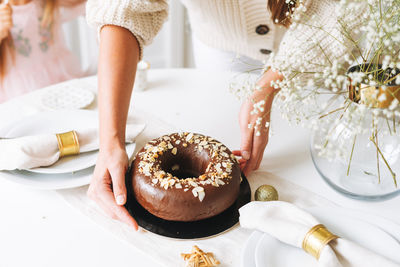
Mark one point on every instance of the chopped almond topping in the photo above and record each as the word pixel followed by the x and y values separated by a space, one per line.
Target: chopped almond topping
pixel 199 258
pixel 218 171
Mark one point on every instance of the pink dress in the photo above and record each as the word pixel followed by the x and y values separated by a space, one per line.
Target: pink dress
pixel 41 55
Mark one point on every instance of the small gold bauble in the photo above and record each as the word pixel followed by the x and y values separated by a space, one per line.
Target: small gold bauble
pixel 266 193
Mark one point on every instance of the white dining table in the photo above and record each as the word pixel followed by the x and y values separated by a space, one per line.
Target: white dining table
pixel 38 228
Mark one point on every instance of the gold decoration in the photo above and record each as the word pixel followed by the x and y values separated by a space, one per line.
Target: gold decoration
pixel 266 193
pixel 68 143
pixel 199 258
pixel 316 239
pixel 374 96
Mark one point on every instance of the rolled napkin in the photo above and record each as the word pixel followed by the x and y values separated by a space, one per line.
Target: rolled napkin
pixel 295 227
pixel 29 152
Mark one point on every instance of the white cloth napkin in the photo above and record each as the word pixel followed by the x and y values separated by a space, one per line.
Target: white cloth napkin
pixel 42 150
pixel 290 224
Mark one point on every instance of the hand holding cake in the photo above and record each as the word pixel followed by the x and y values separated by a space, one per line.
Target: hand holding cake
pixel 108 179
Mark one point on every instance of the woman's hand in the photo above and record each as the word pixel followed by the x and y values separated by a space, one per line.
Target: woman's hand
pixel 254 123
pixel 253 140
pixel 107 187
pixel 118 57
pixel 5 21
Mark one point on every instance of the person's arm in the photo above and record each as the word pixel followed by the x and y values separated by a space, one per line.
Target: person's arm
pixel 136 22
pixel 118 58
pixel 119 55
pixel 255 131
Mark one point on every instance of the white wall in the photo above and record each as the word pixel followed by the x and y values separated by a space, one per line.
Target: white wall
pixel 170 49
pixel 82 40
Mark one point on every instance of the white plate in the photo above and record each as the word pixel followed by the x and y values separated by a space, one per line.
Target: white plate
pixel 54 181
pixel 58 122
pixel 49 181
pixel 67 95
pixel 74 163
pixel 69 164
pixel 248 257
pixel 271 252
pixel 382 223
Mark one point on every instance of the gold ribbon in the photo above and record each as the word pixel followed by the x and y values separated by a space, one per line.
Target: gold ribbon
pixel 374 96
pixel 68 143
pixel 316 239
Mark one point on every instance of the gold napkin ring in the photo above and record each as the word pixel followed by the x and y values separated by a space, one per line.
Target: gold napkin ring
pixel 316 239
pixel 68 143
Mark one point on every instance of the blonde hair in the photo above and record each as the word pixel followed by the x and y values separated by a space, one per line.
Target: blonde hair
pixel 48 12
pixel 6 53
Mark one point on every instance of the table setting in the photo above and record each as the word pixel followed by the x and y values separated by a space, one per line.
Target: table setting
pixel 39 146
pixel 48 152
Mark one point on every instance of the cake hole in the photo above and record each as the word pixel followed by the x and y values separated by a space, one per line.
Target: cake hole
pixel 185 163
pixel 183 174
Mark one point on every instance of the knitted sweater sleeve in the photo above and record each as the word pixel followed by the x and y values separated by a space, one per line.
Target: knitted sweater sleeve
pixel 316 37
pixel 144 18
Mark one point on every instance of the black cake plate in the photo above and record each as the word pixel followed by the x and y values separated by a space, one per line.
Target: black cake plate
pixel 188 230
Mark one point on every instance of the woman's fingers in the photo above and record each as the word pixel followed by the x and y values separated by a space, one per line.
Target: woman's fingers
pixel 5 21
pixel 96 195
pixel 102 194
pixel 108 185
pixel 261 143
pixel 251 163
pixel 104 207
pixel 246 143
pixel 5 15
pixel 259 158
pixel 241 161
pixel 118 184
pixel 246 132
pixel 237 153
pixel 119 213
pixel 258 146
pixel 5 11
pixel 4 7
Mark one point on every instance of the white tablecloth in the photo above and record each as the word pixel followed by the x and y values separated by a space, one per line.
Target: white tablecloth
pixel 226 246
pixel 37 228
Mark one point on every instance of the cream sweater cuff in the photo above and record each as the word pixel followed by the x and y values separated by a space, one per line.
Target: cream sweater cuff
pixel 143 18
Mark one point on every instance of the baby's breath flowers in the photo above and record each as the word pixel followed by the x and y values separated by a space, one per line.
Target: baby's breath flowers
pixel 342 77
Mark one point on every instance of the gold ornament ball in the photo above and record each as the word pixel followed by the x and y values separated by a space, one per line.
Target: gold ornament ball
pixel 266 193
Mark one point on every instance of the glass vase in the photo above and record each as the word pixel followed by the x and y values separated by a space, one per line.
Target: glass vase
pixel 358 165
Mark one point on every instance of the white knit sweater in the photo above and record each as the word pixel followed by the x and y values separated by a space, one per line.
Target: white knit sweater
pixel 230 25
pixel 144 18
pixel 317 39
